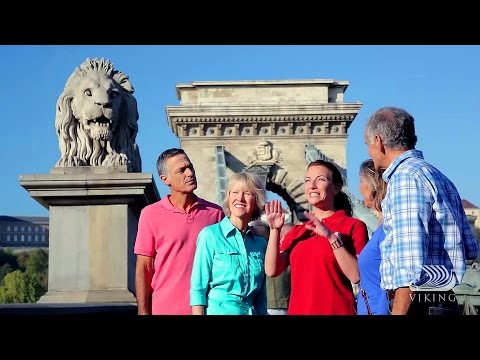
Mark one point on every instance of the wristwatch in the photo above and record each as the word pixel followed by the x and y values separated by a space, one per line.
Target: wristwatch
pixel 338 242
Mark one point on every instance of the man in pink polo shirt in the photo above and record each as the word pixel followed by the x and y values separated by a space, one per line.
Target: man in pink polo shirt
pixel 167 236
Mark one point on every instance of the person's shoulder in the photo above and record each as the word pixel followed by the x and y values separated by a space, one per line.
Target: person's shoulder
pixel 298 227
pixel 419 170
pixel 355 222
pixel 296 230
pixel 341 216
pixel 209 230
pixel 155 207
pixel 211 227
pixel 209 204
pixel 413 165
pixel 378 233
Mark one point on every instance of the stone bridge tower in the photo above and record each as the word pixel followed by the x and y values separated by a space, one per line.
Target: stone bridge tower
pixel 274 128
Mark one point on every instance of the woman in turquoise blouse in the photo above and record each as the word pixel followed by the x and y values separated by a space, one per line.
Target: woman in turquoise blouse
pixel 228 275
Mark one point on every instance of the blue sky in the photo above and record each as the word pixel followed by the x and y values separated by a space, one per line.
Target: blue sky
pixel 438 85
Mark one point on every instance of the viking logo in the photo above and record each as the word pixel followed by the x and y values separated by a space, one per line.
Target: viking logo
pixel 434 278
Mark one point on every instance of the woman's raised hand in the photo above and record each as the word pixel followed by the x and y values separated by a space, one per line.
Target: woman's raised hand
pixel 275 215
pixel 317 227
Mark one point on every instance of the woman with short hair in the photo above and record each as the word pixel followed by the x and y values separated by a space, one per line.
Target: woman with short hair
pixel 228 275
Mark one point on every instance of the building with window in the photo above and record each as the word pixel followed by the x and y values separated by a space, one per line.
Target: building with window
pixel 472 212
pixel 24 231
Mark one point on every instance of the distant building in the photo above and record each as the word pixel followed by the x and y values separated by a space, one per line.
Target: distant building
pixel 24 231
pixel 472 211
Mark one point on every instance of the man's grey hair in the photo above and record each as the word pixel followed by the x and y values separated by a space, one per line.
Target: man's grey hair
pixel 395 127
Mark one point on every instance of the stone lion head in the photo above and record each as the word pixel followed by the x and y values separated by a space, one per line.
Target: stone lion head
pixel 96 118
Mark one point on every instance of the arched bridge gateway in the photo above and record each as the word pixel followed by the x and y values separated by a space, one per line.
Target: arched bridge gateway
pixel 273 128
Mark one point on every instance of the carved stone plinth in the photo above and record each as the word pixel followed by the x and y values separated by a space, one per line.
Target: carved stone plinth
pixel 93 224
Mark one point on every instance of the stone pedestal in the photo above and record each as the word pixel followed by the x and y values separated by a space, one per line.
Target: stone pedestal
pixel 94 215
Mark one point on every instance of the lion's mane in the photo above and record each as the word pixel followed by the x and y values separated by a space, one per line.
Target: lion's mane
pixel 116 145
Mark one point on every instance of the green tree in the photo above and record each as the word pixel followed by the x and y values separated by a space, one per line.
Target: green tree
pixel 8 263
pixel 7 257
pixel 4 270
pixel 28 281
pixel 36 266
pixel 22 258
pixel 18 287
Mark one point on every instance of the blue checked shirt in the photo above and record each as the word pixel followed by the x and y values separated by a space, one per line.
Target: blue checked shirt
pixel 424 223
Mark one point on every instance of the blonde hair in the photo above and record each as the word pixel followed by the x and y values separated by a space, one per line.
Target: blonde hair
pixel 252 183
pixel 375 183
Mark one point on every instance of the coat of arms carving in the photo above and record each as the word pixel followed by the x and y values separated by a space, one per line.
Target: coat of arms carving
pixel 264 154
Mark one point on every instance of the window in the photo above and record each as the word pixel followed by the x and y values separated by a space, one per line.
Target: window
pixel 22 238
pixel 8 237
pixel 14 237
pixel 43 238
pixel 29 238
pixel 36 238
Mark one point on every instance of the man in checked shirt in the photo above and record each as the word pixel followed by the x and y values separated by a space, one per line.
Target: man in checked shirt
pixel 424 221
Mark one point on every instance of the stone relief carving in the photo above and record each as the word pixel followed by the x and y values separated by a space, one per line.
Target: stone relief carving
pixel 245 126
pixel 264 154
pixel 96 118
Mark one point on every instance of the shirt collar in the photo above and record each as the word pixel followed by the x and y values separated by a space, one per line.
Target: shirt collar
pixel 332 219
pixel 398 160
pixel 337 215
pixel 169 206
pixel 227 227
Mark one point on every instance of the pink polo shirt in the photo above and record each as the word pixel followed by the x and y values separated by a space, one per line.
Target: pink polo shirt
pixel 169 235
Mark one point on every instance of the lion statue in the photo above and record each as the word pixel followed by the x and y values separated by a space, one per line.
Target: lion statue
pixel 96 118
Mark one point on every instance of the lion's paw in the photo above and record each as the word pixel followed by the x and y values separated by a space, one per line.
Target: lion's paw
pixel 69 161
pixel 115 159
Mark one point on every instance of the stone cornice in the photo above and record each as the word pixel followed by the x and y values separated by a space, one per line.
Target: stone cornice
pixel 234 120
pixel 264 109
pixel 260 119
pixel 250 83
pixel 90 188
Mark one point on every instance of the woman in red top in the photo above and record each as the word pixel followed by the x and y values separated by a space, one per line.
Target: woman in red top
pixel 322 253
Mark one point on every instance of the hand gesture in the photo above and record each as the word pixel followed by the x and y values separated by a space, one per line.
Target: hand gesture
pixel 318 227
pixel 275 215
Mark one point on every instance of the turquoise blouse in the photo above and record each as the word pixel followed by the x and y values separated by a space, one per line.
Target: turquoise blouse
pixel 228 276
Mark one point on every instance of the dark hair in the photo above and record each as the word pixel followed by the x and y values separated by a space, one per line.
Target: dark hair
pixel 341 201
pixel 164 156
